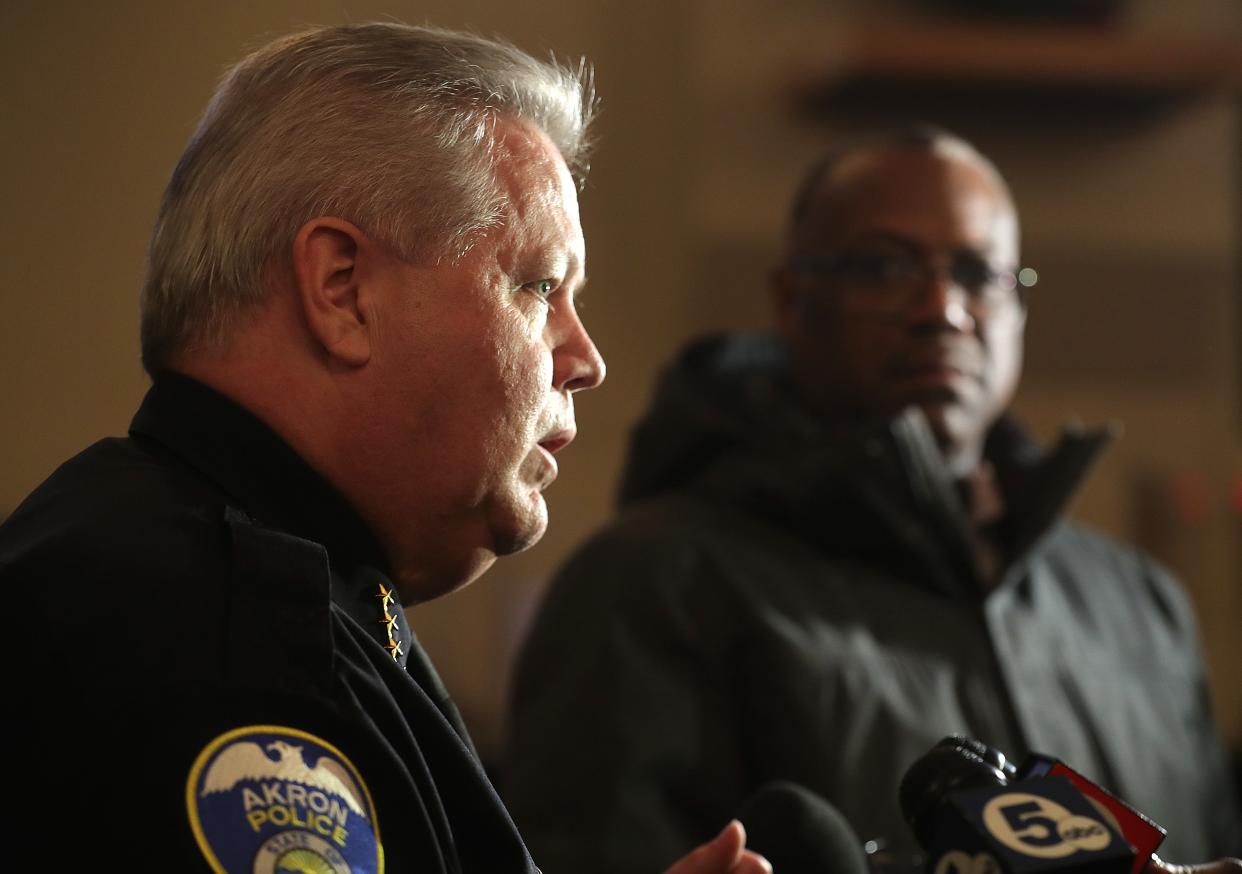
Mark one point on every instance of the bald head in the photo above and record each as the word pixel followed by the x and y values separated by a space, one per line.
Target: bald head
pixel 834 172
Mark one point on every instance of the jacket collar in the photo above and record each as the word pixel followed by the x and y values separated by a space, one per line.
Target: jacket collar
pixel 258 470
pixel 262 476
pixel 725 424
pixel 1038 484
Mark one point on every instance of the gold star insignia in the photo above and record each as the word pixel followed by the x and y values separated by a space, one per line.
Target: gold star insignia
pixel 385 596
pixel 389 621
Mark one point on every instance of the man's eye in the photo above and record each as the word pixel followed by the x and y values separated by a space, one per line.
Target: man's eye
pixel 541 287
pixel 974 276
pixel 875 267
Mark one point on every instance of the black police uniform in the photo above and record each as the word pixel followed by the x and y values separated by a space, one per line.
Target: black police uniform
pixel 207 670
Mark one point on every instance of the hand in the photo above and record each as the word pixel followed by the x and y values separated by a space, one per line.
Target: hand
pixel 1220 866
pixel 727 854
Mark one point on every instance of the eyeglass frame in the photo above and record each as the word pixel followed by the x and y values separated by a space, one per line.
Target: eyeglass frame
pixel 824 266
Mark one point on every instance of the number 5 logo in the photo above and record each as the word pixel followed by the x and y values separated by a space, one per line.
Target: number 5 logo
pixel 1039 827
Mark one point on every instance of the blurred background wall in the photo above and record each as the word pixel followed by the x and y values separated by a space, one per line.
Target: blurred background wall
pixel 1118 133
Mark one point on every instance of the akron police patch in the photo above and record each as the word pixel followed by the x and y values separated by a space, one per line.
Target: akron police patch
pixel 272 800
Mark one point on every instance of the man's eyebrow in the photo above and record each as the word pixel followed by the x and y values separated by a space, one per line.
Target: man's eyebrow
pixel 880 235
pixel 894 238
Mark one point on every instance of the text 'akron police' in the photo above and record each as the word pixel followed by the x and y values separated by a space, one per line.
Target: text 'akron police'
pixel 290 804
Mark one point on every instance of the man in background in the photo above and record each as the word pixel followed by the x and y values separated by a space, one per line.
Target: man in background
pixel 359 319
pixel 835 548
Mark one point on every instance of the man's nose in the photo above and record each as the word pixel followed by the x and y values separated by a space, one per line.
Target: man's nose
pixel 942 301
pixel 576 362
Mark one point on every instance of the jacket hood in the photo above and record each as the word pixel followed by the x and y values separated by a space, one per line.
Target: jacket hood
pixel 721 394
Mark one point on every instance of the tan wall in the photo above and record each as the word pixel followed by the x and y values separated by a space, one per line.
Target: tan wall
pixel 1135 228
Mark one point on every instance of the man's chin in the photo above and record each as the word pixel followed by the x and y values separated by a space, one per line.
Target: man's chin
pixel 959 433
pixel 419 583
pixel 940 415
pixel 519 543
pixel 522 530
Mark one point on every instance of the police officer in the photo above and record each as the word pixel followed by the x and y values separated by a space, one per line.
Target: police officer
pixel 360 326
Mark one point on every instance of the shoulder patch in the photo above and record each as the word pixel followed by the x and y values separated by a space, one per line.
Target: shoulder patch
pixel 265 799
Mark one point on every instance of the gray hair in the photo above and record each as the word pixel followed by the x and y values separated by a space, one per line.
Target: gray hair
pixel 388 126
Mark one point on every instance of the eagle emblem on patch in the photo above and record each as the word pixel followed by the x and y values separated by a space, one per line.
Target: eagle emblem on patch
pixel 266 799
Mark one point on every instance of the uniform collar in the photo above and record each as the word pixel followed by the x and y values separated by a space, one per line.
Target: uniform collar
pixel 263 477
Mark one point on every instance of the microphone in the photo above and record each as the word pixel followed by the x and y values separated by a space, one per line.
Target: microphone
pixel 800 833
pixel 976 813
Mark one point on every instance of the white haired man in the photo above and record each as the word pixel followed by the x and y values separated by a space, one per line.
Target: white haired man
pixel 360 323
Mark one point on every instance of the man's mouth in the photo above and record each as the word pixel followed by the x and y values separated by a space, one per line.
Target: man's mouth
pixel 934 367
pixel 934 380
pixel 931 372
pixel 557 440
pixel 552 443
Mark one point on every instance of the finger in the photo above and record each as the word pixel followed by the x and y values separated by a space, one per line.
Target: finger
pixel 752 863
pixel 721 855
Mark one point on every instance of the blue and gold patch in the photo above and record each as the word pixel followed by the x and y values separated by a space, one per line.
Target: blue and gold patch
pixel 266 799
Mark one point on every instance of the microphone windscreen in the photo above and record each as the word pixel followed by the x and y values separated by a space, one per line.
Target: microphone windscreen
pixel 799 832
pixel 955 764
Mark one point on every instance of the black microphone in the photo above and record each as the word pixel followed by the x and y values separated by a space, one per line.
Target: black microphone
pixel 800 833
pixel 975 812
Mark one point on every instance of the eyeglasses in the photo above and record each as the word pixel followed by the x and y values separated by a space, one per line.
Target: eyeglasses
pixel 891 281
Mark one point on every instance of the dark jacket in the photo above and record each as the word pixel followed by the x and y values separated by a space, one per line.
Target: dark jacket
pixel 776 602
pixel 200 660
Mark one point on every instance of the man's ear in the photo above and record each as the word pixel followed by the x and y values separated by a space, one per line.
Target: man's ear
pixel 326 280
